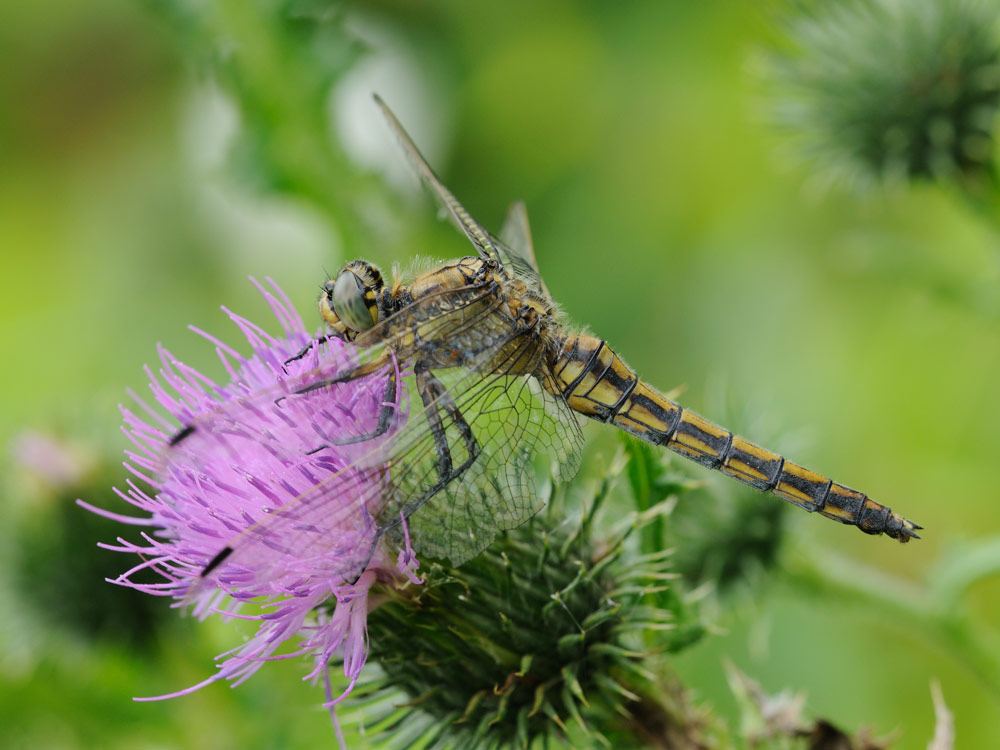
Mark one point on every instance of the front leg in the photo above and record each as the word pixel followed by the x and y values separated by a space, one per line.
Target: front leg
pixel 388 398
pixel 384 420
pixel 306 349
pixel 353 374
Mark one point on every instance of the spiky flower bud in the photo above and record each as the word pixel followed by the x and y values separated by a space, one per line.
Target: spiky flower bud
pixel 549 633
pixel 889 90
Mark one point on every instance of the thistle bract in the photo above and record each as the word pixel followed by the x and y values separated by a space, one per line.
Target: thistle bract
pixel 268 455
pixel 550 634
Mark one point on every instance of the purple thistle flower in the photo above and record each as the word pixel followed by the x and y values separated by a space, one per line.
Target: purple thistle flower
pixel 258 456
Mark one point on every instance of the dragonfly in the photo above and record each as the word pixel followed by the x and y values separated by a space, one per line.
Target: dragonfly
pixel 497 382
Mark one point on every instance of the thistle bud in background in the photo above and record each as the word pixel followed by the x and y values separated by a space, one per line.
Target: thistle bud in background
pixel 878 91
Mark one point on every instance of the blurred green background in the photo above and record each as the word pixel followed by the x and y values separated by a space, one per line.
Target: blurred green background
pixel 666 219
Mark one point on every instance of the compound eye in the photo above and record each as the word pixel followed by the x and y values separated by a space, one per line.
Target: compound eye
pixel 353 302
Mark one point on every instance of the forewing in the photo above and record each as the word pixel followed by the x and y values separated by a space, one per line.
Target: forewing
pixel 290 475
pixel 333 524
pixel 456 211
pixel 312 506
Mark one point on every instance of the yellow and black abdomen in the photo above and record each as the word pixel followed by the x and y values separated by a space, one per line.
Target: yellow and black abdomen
pixel 596 382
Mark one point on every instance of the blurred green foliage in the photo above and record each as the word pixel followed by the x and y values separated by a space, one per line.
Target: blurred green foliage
pixel 151 160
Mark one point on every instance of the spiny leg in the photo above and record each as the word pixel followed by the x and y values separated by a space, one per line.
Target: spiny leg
pixel 353 374
pixel 188 430
pixel 430 391
pixel 436 399
pixel 306 349
pixel 384 420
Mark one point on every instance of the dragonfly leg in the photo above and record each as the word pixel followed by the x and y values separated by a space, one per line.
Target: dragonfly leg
pixel 384 420
pixel 307 348
pixel 353 374
pixel 438 403
pixel 357 372
pixel 436 400
pixel 431 391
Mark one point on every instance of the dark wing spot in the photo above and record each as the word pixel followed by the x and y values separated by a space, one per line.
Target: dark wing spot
pixel 217 561
pixel 186 432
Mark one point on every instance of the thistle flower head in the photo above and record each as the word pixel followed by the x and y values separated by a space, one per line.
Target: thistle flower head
pixel 884 90
pixel 262 454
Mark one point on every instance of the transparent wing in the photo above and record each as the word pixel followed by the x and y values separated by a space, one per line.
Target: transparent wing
pixel 253 458
pixel 438 317
pixel 285 484
pixel 517 251
pixel 513 250
pixel 516 424
pixel 456 211
pixel 327 503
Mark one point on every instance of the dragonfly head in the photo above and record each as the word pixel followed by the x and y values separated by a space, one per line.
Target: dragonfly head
pixel 351 302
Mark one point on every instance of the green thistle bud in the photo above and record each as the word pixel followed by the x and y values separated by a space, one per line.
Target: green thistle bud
pixel 886 90
pixel 549 633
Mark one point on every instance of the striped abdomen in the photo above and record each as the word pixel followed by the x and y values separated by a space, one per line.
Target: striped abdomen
pixel 595 382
